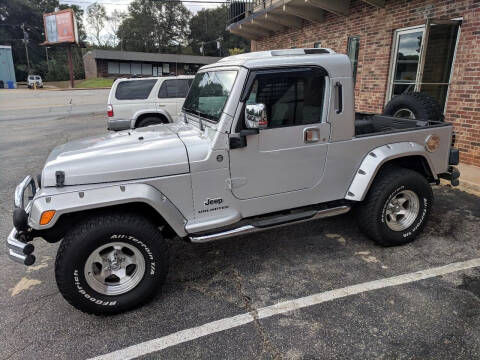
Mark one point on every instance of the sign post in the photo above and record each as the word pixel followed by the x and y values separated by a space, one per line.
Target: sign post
pixel 70 65
pixel 61 30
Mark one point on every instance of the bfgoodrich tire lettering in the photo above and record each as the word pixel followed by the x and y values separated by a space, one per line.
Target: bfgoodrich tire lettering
pixel 372 213
pixel 81 241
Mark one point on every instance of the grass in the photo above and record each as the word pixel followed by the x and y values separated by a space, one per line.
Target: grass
pixel 94 83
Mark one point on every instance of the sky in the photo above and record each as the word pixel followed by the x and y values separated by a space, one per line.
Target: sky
pixel 122 5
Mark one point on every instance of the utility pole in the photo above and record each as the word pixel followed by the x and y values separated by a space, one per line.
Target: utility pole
pixel 219 46
pixel 46 56
pixel 25 41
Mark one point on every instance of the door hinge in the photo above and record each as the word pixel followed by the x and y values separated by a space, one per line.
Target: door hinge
pixel 235 182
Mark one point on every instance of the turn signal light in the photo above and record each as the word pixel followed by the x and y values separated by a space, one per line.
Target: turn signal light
pixel 46 217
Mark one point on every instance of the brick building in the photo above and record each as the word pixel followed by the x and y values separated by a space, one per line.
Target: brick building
pixel 431 46
pixel 113 63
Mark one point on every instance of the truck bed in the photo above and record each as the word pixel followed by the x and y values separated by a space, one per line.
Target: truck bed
pixel 373 124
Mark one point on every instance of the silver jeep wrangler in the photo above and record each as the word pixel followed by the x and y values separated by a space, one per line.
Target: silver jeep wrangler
pixel 266 139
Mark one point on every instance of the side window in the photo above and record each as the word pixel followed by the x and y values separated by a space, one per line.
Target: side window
pixel 134 90
pixel 183 86
pixel 168 89
pixel 174 89
pixel 291 98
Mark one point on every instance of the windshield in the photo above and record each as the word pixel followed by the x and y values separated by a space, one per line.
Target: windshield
pixel 209 93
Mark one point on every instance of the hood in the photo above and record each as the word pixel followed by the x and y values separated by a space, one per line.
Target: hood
pixel 147 152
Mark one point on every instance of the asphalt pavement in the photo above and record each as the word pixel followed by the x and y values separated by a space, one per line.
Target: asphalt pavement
pixel 21 104
pixel 434 318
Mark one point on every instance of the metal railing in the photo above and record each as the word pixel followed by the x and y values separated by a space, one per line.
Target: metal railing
pixel 241 9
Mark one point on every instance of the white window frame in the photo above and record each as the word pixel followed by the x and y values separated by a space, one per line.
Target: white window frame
pixel 393 59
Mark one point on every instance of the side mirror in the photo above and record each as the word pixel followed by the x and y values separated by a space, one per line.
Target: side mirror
pixel 256 116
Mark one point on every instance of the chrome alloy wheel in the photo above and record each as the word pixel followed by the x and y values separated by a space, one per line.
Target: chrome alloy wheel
pixel 114 268
pixel 402 210
pixel 404 113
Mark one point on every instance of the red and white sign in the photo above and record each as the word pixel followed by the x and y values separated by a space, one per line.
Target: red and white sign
pixel 60 27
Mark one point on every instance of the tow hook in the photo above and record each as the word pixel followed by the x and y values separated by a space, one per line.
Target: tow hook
pixel 19 247
pixel 452 174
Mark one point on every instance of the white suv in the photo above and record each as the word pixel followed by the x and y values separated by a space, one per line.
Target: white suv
pixel 134 103
pixel 34 80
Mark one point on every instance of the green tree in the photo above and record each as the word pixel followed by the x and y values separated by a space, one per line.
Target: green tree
pixel 96 18
pixel 154 26
pixel 115 19
pixel 207 26
pixel 235 51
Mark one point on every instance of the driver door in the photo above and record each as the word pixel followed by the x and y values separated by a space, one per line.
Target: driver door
pixel 289 152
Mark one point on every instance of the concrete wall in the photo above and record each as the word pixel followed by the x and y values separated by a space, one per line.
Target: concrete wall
pixel 375 27
pixel 90 66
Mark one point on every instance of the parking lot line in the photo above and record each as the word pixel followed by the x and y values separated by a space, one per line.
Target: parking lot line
pixel 186 335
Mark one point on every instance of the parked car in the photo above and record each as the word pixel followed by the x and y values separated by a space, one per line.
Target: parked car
pixel 268 139
pixel 34 80
pixel 134 103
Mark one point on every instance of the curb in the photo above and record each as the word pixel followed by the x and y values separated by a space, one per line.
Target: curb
pixel 465 186
pixel 69 89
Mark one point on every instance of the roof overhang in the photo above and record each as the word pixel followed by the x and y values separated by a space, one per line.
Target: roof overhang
pixel 265 18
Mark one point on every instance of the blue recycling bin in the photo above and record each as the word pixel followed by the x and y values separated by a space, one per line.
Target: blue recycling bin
pixel 10 84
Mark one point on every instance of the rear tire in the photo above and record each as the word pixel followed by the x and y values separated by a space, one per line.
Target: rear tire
pixel 396 207
pixel 151 120
pixel 414 105
pixel 112 263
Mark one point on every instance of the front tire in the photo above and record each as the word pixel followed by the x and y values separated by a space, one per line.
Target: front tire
pixel 396 207
pixel 112 263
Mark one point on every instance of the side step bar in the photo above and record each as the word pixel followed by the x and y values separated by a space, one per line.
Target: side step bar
pixel 261 225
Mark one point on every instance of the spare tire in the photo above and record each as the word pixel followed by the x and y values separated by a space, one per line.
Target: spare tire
pixel 414 105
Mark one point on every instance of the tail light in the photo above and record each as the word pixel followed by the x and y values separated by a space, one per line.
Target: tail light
pixel 109 110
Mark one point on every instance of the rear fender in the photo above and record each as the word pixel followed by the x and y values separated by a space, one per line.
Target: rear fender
pixel 152 112
pixel 96 198
pixel 376 158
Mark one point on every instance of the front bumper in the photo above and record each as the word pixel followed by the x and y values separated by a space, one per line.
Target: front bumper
pixel 18 249
pixel 118 124
pixel 18 241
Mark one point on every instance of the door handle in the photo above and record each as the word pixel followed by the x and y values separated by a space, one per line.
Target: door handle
pixel 311 135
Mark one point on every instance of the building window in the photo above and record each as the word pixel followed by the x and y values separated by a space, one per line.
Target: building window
pixel 317 44
pixel 147 69
pixel 113 67
pixel 155 71
pixel 124 68
pixel 136 68
pixel 352 52
pixel 422 59
pixel 166 69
